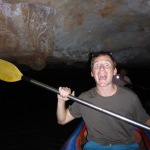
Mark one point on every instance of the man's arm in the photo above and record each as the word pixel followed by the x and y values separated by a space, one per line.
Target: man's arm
pixel 63 114
pixel 125 79
pixel 148 122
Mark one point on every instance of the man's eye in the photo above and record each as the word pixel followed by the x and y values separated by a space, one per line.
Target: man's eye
pixel 96 66
pixel 107 65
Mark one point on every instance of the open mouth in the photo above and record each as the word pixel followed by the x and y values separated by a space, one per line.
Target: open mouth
pixel 102 77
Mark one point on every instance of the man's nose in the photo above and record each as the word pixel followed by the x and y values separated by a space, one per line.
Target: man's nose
pixel 102 67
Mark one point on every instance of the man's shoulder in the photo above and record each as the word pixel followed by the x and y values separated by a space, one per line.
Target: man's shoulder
pixel 126 77
pixel 126 90
pixel 89 92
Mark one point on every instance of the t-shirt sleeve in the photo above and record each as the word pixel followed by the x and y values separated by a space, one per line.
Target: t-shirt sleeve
pixel 140 113
pixel 74 110
pixel 127 79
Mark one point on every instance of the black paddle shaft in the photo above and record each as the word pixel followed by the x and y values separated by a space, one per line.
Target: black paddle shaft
pixel 83 102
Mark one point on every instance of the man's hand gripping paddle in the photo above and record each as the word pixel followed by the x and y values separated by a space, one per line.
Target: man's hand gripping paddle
pixel 10 73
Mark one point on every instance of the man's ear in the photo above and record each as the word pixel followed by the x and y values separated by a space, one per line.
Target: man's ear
pixel 91 74
pixel 115 71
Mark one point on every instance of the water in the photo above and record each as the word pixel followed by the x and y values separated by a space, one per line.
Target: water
pixel 28 112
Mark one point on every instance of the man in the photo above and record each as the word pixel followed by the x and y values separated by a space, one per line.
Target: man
pixel 122 79
pixel 104 132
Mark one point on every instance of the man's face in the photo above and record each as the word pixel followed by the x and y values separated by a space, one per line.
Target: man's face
pixel 103 70
pixel 123 72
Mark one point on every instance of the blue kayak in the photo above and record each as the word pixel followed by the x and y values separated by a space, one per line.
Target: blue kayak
pixel 78 138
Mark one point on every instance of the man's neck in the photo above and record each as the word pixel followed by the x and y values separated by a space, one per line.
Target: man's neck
pixel 107 91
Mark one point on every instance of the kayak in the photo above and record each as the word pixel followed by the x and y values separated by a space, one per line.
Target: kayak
pixel 78 138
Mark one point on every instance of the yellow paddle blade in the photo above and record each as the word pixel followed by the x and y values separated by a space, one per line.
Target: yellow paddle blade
pixel 9 72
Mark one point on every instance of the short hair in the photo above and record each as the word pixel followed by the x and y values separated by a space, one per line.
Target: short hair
pixel 94 55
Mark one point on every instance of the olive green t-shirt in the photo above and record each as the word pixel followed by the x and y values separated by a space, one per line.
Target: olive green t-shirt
pixel 103 128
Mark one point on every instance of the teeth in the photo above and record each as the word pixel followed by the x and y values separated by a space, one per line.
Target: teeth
pixel 102 77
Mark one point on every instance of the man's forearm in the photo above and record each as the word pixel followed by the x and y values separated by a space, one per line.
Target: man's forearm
pixel 61 112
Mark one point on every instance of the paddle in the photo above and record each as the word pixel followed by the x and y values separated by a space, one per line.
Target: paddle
pixel 10 73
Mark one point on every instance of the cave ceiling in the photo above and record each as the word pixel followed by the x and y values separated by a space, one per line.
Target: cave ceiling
pixel 40 33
